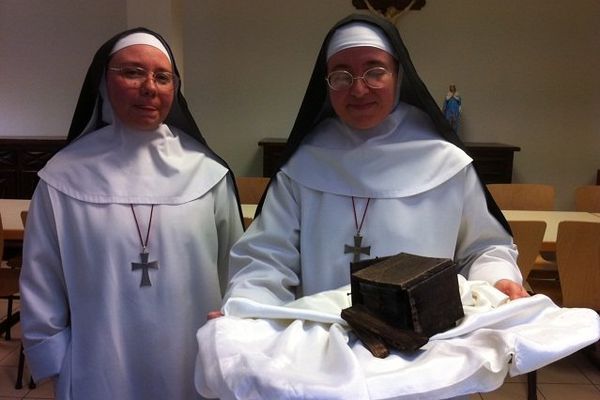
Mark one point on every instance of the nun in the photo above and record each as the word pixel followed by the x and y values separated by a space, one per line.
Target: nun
pixel 371 169
pixel 128 235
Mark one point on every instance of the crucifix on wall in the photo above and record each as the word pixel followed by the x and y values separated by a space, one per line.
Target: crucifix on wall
pixel 389 9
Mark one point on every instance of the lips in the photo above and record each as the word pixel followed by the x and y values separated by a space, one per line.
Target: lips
pixel 362 106
pixel 146 107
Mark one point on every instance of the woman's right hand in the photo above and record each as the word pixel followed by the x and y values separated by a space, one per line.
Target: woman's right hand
pixel 214 314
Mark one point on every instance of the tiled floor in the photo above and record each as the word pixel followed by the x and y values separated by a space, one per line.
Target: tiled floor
pixel 572 378
pixel 9 361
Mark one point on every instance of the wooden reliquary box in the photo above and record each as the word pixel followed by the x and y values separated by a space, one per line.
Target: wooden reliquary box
pixel 403 299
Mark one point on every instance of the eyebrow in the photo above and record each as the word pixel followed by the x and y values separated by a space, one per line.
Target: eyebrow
pixel 368 64
pixel 138 64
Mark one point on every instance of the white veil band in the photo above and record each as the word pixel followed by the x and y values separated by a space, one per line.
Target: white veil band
pixel 358 34
pixel 140 38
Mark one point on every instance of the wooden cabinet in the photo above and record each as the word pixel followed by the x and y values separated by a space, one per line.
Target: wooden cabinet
pixel 272 153
pixel 20 160
pixel 494 161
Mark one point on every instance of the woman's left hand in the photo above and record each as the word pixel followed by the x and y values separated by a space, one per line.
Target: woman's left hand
pixel 511 288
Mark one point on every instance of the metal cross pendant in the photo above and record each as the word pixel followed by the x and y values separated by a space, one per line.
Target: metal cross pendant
pixel 356 249
pixel 144 265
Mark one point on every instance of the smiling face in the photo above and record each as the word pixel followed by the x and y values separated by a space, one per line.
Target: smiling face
pixel 360 106
pixel 144 107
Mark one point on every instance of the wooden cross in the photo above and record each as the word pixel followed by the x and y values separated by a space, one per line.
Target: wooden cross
pixel 356 249
pixel 144 265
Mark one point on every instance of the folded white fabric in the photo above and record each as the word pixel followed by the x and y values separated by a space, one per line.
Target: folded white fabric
pixel 304 350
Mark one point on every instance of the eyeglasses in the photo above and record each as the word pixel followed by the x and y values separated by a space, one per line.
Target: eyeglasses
pixel 136 76
pixel 375 78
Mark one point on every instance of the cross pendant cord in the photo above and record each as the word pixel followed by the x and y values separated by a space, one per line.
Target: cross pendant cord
pixel 144 243
pixel 144 264
pixel 359 227
pixel 357 249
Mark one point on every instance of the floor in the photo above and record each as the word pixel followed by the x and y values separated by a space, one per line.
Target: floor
pixel 572 378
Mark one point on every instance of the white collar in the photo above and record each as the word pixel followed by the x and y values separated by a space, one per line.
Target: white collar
pixel 403 156
pixel 116 164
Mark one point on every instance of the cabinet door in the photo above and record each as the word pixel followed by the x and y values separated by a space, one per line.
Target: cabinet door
pixel 20 160
pixel 8 173
pixel 31 162
pixel 8 184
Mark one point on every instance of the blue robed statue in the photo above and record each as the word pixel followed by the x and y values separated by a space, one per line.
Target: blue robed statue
pixel 452 106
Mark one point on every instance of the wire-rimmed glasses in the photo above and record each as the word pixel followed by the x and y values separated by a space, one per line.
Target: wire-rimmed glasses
pixel 135 76
pixel 375 78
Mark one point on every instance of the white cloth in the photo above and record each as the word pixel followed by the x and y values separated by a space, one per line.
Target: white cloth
pixel 85 317
pixel 425 199
pixel 304 350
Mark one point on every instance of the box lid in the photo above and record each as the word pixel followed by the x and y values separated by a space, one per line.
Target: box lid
pixel 404 270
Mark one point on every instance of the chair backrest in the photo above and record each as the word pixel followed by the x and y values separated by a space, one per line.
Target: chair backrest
pixel 587 198
pixel 1 239
pixel 9 281
pixel 578 259
pixel 523 196
pixel 528 236
pixel 9 278
pixel 251 188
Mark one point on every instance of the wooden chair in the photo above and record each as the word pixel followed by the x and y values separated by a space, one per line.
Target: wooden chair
pixel 9 290
pixel 528 196
pixel 578 258
pixel 9 287
pixel 528 236
pixel 523 196
pixel 587 198
pixel 251 189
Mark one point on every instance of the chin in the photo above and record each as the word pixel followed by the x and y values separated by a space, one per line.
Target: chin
pixel 364 121
pixel 363 125
pixel 145 125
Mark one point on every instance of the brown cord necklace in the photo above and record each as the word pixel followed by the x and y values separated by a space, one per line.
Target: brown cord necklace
pixel 144 264
pixel 357 250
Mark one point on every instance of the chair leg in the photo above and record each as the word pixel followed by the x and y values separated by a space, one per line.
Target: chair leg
pixel 532 385
pixel 9 307
pixel 20 368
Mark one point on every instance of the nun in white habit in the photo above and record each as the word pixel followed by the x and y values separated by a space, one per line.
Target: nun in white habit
pixel 128 235
pixel 371 169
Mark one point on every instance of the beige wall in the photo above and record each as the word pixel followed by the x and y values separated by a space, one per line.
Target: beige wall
pixel 527 71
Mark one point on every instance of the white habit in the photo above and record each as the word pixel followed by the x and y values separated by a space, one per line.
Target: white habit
pixel 425 199
pixel 84 313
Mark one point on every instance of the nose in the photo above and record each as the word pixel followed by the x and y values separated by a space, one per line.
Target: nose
pixel 359 87
pixel 148 86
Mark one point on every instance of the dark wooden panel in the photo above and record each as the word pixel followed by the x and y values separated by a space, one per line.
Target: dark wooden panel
pixel 494 161
pixel 8 184
pixel 20 160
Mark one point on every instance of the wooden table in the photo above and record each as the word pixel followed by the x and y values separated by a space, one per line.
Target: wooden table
pixel 248 210
pixel 10 211
pixel 552 219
